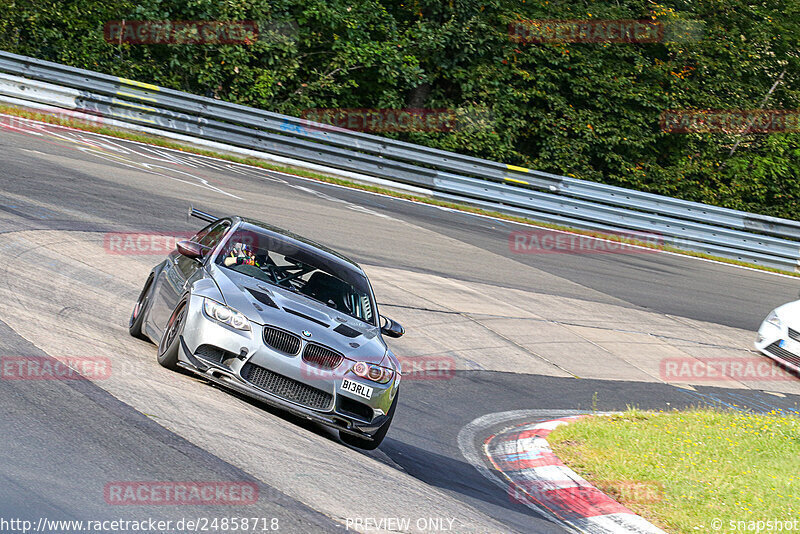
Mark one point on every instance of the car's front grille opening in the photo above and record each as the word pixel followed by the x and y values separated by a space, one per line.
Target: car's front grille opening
pixel 783 354
pixel 794 334
pixel 287 388
pixel 281 340
pixel 354 408
pixel 213 354
pixel 322 357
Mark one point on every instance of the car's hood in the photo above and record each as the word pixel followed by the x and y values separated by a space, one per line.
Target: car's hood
pixel 264 303
pixel 789 313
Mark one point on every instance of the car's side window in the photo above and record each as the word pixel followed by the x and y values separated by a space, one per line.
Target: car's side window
pixel 199 235
pixel 212 234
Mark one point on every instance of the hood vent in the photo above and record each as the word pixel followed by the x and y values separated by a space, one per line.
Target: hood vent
pixel 346 331
pixel 307 317
pixel 263 298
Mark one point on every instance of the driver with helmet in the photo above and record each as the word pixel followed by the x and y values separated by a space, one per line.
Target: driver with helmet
pixel 241 255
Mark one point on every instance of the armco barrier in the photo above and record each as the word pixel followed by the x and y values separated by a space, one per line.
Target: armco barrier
pixel 505 188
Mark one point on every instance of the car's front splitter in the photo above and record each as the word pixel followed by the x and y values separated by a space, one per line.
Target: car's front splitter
pixel 226 377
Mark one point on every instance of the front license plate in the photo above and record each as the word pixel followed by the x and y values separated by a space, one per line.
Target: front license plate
pixel 358 389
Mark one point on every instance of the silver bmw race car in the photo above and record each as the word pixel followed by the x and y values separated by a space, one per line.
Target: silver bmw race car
pixel 278 318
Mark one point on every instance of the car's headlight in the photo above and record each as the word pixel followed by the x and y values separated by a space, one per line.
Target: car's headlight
pixel 373 372
pixel 225 315
pixel 774 320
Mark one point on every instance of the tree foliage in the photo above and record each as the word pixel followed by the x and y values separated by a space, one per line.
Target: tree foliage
pixel 589 110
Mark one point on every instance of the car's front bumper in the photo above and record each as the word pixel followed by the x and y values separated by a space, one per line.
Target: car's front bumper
pixel 243 349
pixel 781 343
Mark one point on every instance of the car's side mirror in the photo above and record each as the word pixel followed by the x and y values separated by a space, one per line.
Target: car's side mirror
pixel 190 249
pixel 392 328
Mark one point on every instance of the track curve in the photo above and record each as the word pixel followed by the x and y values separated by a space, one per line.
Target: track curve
pixel 544 332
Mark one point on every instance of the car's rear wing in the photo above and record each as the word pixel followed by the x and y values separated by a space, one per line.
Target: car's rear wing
pixel 202 215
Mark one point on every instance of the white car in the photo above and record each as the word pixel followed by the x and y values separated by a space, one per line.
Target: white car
pixel 779 335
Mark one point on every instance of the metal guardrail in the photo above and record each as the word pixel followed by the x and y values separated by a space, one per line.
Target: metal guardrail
pixel 496 186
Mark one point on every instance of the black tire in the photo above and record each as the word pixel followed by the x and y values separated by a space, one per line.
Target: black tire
pixel 140 310
pixel 377 437
pixel 170 343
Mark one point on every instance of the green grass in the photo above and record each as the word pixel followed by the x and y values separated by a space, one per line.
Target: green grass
pixel 167 143
pixel 700 465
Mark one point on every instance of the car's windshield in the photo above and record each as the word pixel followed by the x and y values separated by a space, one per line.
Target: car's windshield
pixel 286 263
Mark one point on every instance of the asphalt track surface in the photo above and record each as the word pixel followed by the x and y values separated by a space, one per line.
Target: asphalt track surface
pixel 60 440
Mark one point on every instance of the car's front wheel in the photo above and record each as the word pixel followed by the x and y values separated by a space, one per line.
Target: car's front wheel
pixel 377 437
pixel 170 343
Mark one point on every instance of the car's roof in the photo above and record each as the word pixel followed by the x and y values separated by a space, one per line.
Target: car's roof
pixel 331 255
